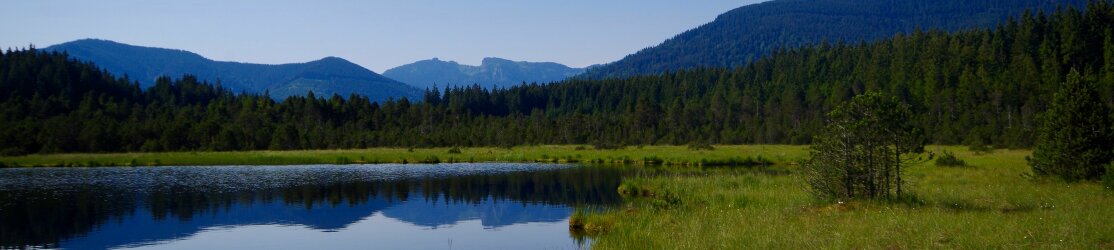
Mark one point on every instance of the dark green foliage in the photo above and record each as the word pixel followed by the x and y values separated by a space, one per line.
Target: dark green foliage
pixel 751 32
pixel 1076 141
pixel 699 145
pixel 980 148
pixel 947 159
pixel 980 85
pixel 12 152
pixel 737 162
pixel 454 150
pixel 1108 178
pixel 607 146
pixel 861 151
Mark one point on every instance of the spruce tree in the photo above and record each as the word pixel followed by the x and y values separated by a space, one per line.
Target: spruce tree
pixel 1076 141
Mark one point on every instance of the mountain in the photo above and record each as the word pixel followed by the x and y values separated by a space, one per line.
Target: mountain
pixel 491 72
pixel 327 76
pixel 744 34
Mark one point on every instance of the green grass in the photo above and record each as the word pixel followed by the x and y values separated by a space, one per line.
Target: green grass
pixel 993 203
pixel 649 155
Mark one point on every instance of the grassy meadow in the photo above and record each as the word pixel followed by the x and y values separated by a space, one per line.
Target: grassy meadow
pixel 991 203
pixel 648 155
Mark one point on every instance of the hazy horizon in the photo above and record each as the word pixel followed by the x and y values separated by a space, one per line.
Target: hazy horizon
pixel 377 35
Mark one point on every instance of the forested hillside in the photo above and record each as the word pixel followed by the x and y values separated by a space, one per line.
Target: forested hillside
pixel 750 32
pixel 979 86
pixel 325 76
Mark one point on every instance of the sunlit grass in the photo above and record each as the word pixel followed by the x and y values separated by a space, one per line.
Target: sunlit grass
pixel 991 204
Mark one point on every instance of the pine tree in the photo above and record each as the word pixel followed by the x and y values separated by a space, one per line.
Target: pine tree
pixel 861 151
pixel 1076 140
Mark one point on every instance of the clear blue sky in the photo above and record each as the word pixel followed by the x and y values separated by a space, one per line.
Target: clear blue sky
pixel 376 34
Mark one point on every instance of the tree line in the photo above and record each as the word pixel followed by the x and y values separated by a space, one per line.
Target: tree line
pixel 984 86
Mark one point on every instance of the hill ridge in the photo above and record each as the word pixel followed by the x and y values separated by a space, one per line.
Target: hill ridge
pixel 146 64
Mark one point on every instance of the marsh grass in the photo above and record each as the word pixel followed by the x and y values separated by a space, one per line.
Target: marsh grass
pixel 647 155
pixel 992 206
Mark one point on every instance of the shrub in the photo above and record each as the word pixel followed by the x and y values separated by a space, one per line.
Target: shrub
pixel 454 150
pixel 607 146
pixel 700 145
pixel 979 148
pixel 12 152
pixel 1108 178
pixel 947 159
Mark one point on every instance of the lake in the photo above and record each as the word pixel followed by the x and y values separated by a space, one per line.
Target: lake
pixel 388 206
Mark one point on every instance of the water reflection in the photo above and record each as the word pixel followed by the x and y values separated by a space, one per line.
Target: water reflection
pixel 127 207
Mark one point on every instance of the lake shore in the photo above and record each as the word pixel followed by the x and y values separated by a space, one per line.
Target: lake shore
pixel 720 155
pixel 993 202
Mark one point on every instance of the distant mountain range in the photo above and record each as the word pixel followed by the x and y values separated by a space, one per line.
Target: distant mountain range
pixel 739 36
pixel 330 75
pixel 491 72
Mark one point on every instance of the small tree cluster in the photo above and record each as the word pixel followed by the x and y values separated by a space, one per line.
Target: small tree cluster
pixel 1107 180
pixel 1076 141
pixel 862 150
pixel 948 159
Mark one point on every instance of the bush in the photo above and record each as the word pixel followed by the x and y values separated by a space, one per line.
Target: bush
pixel 12 152
pixel 1108 178
pixel 607 146
pixel 454 150
pixel 698 145
pixel 947 159
pixel 979 148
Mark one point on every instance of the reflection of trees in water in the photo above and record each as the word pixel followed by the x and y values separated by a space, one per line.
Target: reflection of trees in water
pixel 43 217
pixel 36 217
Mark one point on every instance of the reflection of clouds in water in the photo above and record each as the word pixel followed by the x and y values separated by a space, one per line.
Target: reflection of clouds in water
pixel 378 232
pixel 156 205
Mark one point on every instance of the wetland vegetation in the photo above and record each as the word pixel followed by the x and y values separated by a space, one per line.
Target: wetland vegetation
pixel 995 201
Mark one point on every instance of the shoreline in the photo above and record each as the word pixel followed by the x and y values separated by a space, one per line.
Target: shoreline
pixel 720 155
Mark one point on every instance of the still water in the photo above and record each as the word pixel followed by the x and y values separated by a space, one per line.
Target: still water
pixel 443 206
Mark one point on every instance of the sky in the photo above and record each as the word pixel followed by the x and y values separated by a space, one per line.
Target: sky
pixel 376 34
